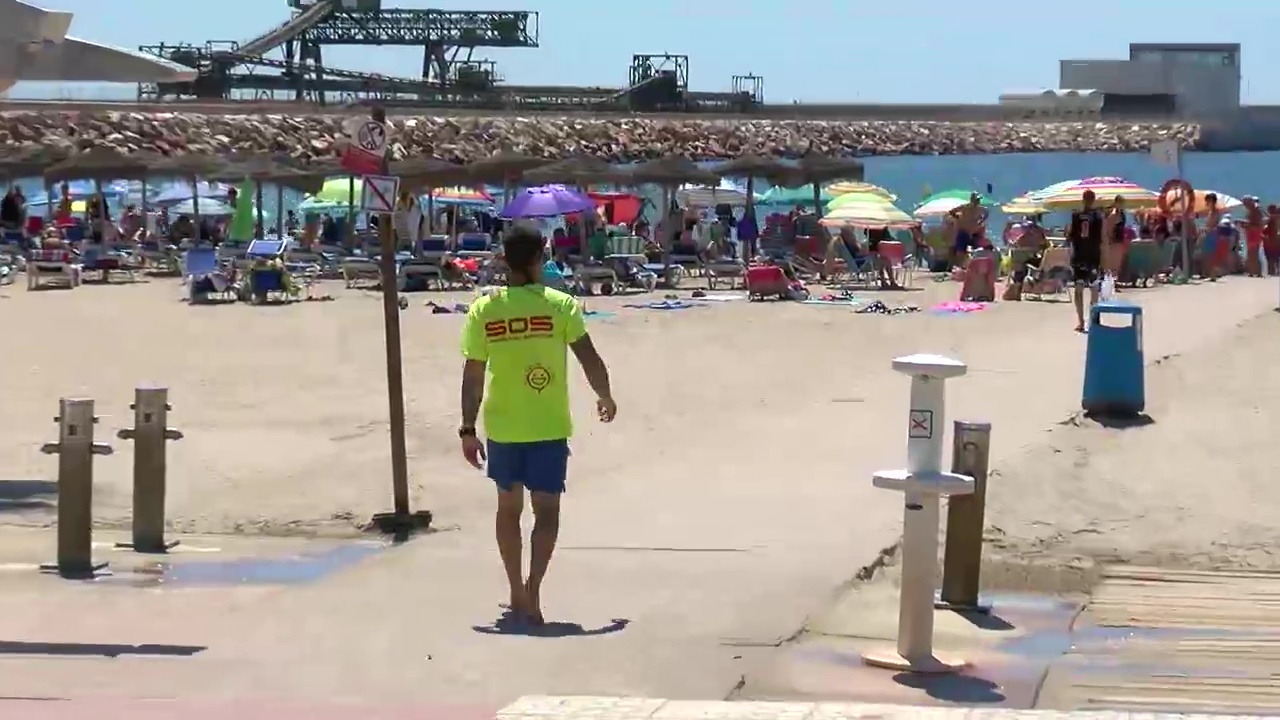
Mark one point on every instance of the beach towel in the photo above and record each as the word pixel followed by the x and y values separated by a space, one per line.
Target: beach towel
pixel 879 308
pixel 664 305
pixel 957 307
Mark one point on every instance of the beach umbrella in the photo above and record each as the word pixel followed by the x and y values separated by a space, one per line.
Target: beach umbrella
pixel 869 211
pixel 180 192
pixel 461 196
pixel 338 190
pixel 672 171
pixel 704 196
pixel 207 207
pixel 1023 205
pixel 1104 188
pixel 941 203
pixel 803 195
pixel 547 201
pixel 427 172
pixel 313 205
pixel 847 187
pixel 580 170
pixel 816 170
pixel 30 161
pixel 1175 199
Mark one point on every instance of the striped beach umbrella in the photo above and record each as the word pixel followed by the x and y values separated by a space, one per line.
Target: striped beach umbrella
pixel 847 188
pixel 461 196
pixel 1023 205
pixel 1105 189
pixel 865 210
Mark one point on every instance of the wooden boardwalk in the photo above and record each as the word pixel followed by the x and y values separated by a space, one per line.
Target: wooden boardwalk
pixel 1170 640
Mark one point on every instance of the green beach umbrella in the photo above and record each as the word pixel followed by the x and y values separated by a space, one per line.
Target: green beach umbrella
pixel 792 196
pixel 941 203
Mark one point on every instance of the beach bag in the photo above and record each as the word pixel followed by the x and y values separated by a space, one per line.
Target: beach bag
pixel 1108 291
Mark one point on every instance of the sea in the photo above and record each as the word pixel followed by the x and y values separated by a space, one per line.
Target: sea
pixel 912 177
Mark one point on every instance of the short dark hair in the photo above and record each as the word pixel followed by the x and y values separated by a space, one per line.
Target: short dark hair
pixel 522 244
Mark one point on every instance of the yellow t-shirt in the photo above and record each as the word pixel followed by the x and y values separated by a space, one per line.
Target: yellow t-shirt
pixel 523 333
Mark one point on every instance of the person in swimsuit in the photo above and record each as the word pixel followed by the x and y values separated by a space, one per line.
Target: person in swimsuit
pixel 1085 238
pixel 1271 240
pixel 1114 225
pixel 970 220
pixel 1216 247
pixel 1254 225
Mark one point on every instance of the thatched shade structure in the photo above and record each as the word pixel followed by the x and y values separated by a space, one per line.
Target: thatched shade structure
pixel 672 171
pixel 98 164
pixel 751 167
pixel 815 170
pixel 278 169
pixel 424 172
pixel 506 168
pixel 581 170
pixel 31 162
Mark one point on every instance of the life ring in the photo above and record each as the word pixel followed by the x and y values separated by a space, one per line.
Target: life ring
pixel 1166 193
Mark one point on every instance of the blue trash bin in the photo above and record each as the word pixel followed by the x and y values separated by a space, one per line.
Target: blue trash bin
pixel 1114 371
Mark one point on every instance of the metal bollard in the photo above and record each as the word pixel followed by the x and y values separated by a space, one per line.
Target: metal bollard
pixel 923 482
pixel 75 450
pixel 149 434
pixel 966 519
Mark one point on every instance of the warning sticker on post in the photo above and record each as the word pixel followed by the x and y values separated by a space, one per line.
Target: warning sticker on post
pixel 921 425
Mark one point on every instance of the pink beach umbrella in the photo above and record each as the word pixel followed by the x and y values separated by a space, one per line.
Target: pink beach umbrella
pixel 1070 195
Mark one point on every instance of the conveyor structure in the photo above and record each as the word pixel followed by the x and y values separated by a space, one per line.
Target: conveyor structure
pixel 254 70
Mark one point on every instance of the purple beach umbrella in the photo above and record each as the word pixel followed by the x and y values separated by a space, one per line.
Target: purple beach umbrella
pixel 547 201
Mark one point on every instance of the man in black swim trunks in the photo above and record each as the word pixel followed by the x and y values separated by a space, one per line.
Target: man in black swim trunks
pixel 1085 238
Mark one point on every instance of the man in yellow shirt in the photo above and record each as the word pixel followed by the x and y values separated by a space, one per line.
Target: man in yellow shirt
pixel 519 337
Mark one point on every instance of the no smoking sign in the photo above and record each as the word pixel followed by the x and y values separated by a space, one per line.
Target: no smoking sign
pixel 372 137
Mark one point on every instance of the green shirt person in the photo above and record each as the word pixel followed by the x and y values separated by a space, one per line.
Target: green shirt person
pixel 518 338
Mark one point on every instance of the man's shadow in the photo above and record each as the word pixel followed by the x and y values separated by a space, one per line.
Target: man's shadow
pixel 510 623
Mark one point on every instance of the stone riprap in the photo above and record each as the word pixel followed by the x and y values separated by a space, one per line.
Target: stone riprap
pixel 618 139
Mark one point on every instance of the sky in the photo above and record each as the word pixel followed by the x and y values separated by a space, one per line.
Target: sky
pixel 814 51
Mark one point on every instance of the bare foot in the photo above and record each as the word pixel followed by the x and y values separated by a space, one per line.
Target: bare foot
pixel 1080 327
pixel 519 604
pixel 533 606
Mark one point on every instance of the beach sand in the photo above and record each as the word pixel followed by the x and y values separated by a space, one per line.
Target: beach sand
pixel 1195 488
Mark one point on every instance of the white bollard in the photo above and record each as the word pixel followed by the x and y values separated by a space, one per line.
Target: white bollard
pixel 922 482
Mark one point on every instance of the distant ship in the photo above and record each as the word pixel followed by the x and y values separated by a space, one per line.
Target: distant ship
pixel 34 46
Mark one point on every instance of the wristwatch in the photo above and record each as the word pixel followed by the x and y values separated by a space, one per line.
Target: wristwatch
pixel 467 431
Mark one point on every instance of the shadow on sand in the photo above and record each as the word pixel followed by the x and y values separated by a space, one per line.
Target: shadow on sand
pixel 510 623
pixel 953 688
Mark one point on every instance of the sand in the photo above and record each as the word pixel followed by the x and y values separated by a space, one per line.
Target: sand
pixel 734 414
pixel 1193 489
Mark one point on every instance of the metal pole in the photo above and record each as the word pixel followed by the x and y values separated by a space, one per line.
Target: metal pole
pixel 400 521
pixel 75 449
pixel 966 519
pixel 149 434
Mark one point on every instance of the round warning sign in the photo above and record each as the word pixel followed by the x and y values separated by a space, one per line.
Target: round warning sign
pixel 372 137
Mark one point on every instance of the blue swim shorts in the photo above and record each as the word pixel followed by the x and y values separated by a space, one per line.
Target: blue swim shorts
pixel 538 466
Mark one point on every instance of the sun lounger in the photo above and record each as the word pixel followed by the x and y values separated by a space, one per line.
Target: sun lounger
pixel 980 277
pixel 901 265
pixel 99 264
pixel 266 279
pixel 766 281
pixel 1051 278
pixel 475 245
pixel 858 271
pixel 719 272
pixel 205 277
pixel 1142 264
pixel 52 268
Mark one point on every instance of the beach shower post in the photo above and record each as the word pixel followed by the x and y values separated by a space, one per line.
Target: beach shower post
pixel 923 483
pixel 150 433
pixel 966 520
pixel 75 449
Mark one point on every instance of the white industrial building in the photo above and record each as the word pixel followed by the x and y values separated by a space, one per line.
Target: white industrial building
pixel 1192 80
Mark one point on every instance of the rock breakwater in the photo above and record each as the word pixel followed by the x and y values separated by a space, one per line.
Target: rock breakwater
pixel 618 139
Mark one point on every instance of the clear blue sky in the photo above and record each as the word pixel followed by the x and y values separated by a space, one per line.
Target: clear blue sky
pixel 814 51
